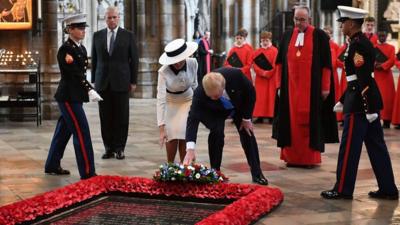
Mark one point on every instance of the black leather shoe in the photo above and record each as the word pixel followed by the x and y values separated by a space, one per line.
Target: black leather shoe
pixel 58 171
pixel 108 155
pixel 84 178
pixel 381 195
pixel 397 127
pixel 120 155
pixel 260 180
pixel 332 194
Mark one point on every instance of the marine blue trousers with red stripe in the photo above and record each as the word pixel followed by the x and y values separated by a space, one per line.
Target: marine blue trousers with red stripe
pixel 73 122
pixel 356 131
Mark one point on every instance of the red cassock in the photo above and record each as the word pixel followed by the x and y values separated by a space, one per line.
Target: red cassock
pixel 343 81
pixel 299 75
pixel 396 106
pixel 265 84
pixel 385 81
pixel 373 38
pixel 245 53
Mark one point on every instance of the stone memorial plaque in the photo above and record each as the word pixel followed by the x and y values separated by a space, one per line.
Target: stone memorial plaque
pixel 127 210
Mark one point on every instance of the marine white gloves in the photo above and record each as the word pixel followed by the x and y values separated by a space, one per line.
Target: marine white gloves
pixel 338 107
pixel 371 117
pixel 94 96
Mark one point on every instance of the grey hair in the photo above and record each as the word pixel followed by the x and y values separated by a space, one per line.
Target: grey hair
pixel 303 7
pixel 112 9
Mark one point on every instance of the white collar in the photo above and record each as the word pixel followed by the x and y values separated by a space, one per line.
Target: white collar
pixel 115 30
pixel 77 43
pixel 300 39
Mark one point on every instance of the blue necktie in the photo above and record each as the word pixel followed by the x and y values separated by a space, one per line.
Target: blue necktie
pixel 111 42
pixel 226 103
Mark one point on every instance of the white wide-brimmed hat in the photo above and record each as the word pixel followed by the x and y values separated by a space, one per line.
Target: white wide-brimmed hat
pixel 347 12
pixel 176 51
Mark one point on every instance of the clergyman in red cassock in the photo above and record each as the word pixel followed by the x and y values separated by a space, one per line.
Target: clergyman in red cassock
pixel 265 83
pixel 384 78
pixel 204 56
pixel 304 120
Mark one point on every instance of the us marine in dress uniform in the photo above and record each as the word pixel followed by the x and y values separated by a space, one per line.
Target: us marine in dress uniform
pixel 72 91
pixel 361 104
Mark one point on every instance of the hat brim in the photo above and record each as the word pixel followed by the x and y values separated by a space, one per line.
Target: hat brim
pixel 342 19
pixel 190 50
pixel 79 25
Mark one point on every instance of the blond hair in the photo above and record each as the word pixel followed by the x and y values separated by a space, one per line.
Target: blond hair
pixel 213 81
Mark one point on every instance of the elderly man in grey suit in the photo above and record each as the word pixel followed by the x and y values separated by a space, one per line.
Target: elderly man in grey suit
pixel 114 72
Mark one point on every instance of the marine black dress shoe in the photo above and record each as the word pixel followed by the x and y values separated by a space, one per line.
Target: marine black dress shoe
pixel 87 177
pixel 381 195
pixel 108 155
pixel 58 171
pixel 260 180
pixel 120 155
pixel 332 194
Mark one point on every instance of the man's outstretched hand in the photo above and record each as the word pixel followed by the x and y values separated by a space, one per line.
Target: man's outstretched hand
pixel 189 157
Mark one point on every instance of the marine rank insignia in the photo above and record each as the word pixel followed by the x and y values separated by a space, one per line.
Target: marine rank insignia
pixel 69 59
pixel 358 60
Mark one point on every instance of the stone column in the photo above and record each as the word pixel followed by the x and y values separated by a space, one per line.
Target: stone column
pixel 147 28
pixel 50 70
pixel 230 15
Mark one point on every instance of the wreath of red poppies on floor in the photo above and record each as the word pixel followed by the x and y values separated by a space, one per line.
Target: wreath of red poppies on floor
pixel 250 202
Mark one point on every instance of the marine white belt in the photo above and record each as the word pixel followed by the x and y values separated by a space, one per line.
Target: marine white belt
pixel 351 77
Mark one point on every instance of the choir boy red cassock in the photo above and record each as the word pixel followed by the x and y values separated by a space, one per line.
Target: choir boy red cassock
pixel 265 83
pixel 384 77
pixel 305 122
pixel 396 106
pixel 243 51
pixel 372 37
pixel 369 24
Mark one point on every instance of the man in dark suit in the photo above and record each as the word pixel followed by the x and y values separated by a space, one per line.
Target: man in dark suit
pixel 114 72
pixel 225 92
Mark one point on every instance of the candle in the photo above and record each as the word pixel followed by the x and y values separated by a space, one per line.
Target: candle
pixel 39 5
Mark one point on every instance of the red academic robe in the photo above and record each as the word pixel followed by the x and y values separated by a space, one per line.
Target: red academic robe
pixel 265 84
pixel 396 106
pixel 373 38
pixel 245 53
pixel 385 81
pixel 343 81
pixel 299 86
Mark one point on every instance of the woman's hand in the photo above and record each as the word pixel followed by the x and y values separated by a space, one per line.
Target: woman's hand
pixel 163 136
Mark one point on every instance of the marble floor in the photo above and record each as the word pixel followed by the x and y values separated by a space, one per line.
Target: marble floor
pixel 24 147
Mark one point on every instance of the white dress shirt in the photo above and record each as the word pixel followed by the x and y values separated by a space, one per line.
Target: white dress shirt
pixel 109 37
